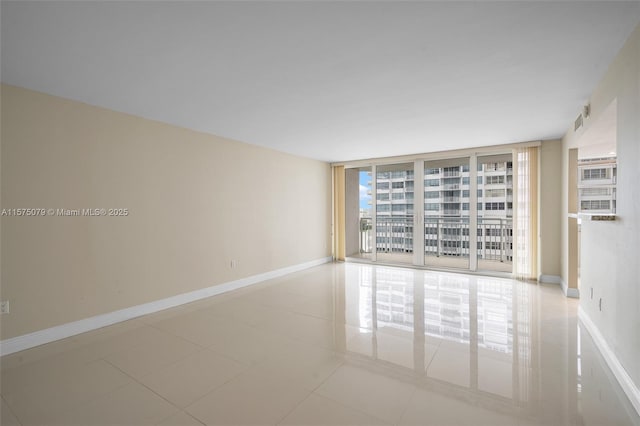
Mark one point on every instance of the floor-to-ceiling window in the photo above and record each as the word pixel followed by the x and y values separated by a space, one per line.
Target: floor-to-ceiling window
pixel 394 188
pixel 451 213
pixel 446 213
pixel 495 213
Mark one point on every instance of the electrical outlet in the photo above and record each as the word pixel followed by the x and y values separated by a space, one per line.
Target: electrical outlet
pixel 234 263
pixel 4 307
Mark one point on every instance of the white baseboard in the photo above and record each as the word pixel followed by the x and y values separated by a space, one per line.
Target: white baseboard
pixel 26 341
pixel 628 386
pixel 555 279
pixel 569 292
pixel 550 279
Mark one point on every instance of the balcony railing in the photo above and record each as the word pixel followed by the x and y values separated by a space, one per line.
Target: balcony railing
pixel 496 236
pixel 444 237
pixel 394 234
pixel 366 226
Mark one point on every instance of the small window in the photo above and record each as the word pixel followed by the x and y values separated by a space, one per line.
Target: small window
pixel 432 207
pixel 432 194
pixel 494 206
pixel 495 180
pixel 593 174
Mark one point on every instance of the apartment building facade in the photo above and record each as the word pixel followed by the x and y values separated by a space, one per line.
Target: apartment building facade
pixel 597 185
pixel 446 211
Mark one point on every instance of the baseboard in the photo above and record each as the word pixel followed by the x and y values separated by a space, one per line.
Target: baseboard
pixel 628 386
pixel 555 279
pixel 569 292
pixel 37 338
pixel 550 279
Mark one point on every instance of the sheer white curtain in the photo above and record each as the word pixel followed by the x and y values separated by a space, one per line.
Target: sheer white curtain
pixel 525 162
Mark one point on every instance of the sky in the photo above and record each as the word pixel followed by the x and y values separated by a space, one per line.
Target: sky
pixel 364 187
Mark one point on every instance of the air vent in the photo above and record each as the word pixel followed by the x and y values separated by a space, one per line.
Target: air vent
pixel 578 123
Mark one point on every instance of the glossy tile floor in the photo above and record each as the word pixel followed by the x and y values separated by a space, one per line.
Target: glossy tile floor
pixel 335 344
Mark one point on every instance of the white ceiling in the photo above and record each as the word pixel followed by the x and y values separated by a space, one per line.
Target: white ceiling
pixel 327 80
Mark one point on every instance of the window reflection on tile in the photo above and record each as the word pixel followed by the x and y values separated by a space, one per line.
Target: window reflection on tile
pixel 466 331
pixel 497 349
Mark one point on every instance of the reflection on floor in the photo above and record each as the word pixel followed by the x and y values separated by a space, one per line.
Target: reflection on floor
pixel 336 344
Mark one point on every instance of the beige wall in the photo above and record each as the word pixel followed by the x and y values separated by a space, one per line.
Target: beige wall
pixel 609 250
pixel 549 198
pixel 196 202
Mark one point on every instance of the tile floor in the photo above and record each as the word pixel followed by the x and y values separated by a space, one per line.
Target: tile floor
pixel 337 344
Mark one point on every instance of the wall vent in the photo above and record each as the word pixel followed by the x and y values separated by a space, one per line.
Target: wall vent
pixel 578 123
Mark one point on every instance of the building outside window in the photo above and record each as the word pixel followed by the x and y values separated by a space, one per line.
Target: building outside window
pixel 597 185
pixel 447 209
